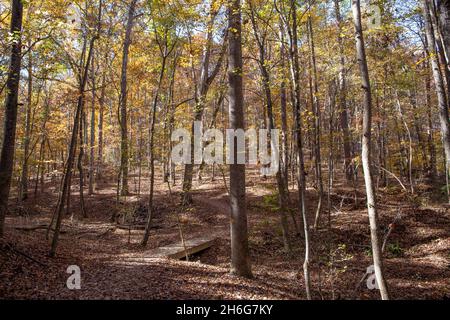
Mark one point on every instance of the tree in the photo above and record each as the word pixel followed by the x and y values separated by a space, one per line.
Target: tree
pixel 444 18
pixel 11 103
pixel 314 97
pixel 124 154
pixel 201 91
pixel 240 260
pixel 290 22
pixel 92 132
pixel 261 33
pixel 343 115
pixel 65 183
pixel 438 81
pixel 166 47
pixel 366 150
pixel 23 192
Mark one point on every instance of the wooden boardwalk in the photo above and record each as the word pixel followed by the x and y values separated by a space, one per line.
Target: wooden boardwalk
pixel 178 251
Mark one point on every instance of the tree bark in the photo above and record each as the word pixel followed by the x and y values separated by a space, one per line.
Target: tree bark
pixel 23 193
pixel 11 104
pixel 92 134
pixel 100 127
pixel 430 132
pixel 444 18
pixel 124 154
pixel 284 119
pixel 348 156
pixel 366 151
pixel 440 45
pixel 314 96
pixel 240 260
pixel 80 158
pixel 438 80
pixel 298 137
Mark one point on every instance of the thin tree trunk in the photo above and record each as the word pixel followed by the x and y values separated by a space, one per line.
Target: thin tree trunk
pixel 100 128
pixel 42 138
pixel 265 77
pixel 366 151
pixel 72 147
pixel 80 159
pixel 70 159
pixel 430 136
pixel 124 153
pixel 23 188
pixel 300 165
pixel 165 51
pixel 331 111
pixel 92 134
pixel 151 150
pixel 201 92
pixel 410 158
pixel 283 109
pixel 348 156
pixel 314 95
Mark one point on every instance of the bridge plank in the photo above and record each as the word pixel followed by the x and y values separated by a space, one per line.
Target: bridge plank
pixel 177 251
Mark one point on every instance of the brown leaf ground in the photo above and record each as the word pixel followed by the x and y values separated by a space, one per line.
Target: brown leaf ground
pixel 114 266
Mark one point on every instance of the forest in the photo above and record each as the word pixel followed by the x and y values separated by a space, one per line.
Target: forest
pixel 225 149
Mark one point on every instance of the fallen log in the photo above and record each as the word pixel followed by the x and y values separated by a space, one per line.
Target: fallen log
pixel 16 251
pixel 140 226
pixel 35 227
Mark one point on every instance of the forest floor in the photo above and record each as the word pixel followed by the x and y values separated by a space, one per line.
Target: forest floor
pixel 115 266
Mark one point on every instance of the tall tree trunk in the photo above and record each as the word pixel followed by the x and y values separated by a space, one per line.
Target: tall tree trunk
pixel 331 112
pixel 65 186
pixel 430 132
pixel 440 45
pixel 366 151
pixel 92 133
pixel 23 193
pixel 348 156
pixel 124 154
pixel 301 174
pixel 70 158
pixel 151 149
pixel 439 82
pixel 42 139
pixel 314 96
pixel 171 119
pixel 444 18
pixel 410 152
pixel 11 103
pixel 100 127
pixel 283 110
pixel 240 260
pixel 201 92
pixel 80 158
pixel 265 77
